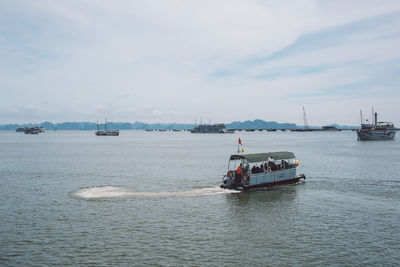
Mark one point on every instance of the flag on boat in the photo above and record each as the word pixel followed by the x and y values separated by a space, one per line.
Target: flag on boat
pixel 243 150
pixel 240 141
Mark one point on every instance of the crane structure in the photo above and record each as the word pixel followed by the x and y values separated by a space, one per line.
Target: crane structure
pixel 305 120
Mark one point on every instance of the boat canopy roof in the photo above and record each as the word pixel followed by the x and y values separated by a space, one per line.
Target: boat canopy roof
pixel 258 157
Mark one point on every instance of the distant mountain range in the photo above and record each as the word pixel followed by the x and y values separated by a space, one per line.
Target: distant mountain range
pixel 260 124
pixel 255 124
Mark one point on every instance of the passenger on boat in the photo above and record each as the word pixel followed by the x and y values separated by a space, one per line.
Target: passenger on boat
pixel 272 165
pixel 286 164
pixel 257 169
pixel 238 175
pixel 253 169
pixel 245 169
pixel 239 170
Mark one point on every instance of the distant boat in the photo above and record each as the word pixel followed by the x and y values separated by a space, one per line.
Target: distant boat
pixel 330 128
pixel 34 130
pixel 210 128
pixel 376 130
pixel 20 129
pixel 106 132
pixel 301 130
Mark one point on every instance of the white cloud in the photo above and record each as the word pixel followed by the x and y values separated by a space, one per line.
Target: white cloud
pixel 379 89
pixel 95 58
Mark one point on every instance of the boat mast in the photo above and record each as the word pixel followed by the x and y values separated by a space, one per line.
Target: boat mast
pixel 305 119
pixel 372 117
pixel 361 116
pixel 105 124
pixel 97 125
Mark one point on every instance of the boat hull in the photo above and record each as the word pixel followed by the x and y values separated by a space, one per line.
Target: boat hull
pixel 265 179
pixel 265 185
pixel 375 135
pixel 280 182
pixel 208 129
pixel 108 133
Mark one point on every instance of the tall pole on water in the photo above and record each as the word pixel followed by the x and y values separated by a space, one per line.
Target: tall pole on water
pixel 305 119
pixel 372 116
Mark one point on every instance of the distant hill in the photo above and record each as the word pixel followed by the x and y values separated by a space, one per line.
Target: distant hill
pixel 260 124
pixel 255 124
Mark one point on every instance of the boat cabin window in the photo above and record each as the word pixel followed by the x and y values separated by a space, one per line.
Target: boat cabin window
pixel 234 164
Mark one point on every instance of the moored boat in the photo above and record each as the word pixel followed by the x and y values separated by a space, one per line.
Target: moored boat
pixel 210 128
pixel 376 130
pixel 32 130
pixel 106 132
pixel 261 170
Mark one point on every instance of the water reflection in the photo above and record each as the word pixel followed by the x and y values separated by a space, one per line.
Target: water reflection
pixel 269 195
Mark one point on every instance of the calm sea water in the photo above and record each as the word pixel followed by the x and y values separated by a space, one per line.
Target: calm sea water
pixel 152 198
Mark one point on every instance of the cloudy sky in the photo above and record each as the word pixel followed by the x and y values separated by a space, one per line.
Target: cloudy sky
pixel 174 61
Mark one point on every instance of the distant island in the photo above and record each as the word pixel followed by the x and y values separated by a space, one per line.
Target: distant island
pixel 255 124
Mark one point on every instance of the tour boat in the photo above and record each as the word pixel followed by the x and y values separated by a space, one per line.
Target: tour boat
pixel 247 171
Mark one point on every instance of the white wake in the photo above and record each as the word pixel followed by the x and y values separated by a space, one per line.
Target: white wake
pixel 116 192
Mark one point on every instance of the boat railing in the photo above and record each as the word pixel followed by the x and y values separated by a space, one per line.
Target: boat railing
pixel 290 167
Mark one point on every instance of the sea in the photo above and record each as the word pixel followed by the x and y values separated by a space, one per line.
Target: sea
pixel 70 198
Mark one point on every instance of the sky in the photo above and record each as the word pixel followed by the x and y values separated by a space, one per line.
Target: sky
pixel 178 61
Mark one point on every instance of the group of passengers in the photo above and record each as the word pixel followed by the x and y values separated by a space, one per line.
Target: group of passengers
pixel 269 166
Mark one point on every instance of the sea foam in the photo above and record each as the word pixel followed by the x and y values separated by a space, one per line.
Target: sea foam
pixel 116 192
